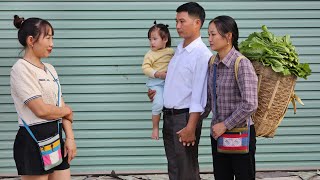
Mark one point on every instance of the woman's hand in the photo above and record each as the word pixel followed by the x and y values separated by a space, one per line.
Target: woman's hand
pixel 218 130
pixel 69 117
pixel 70 148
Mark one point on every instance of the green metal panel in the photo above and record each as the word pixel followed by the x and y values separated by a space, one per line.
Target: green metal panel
pixel 99 48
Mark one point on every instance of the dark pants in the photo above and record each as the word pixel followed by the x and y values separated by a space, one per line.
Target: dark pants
pixel 182 160
pixel 240 166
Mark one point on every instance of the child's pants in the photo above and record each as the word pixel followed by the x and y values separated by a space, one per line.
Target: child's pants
pixel 157 104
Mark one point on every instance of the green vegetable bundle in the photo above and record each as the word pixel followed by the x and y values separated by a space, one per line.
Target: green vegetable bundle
pixel 275 51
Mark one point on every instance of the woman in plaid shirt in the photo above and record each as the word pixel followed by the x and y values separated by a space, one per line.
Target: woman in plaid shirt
pixel 235 102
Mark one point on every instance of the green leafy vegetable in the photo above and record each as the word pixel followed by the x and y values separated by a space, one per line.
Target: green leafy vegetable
pixel 275 51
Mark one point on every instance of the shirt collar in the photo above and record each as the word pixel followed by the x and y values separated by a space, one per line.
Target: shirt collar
pixel 191 46
pixel 227 59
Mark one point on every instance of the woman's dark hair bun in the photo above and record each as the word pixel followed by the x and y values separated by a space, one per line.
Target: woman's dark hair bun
pixel 17 21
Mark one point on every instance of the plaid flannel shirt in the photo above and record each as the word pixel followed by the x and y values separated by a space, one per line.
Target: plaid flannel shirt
pixel 235 103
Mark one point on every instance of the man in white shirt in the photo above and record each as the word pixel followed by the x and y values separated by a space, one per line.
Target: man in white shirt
pixel 185 95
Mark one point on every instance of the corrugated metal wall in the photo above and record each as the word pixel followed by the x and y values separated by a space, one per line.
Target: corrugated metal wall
pixel 99 47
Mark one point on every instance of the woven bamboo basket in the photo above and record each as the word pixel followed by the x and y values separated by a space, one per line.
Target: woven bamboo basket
pixel 275 92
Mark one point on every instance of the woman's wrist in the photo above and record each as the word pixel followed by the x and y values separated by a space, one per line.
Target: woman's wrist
pixel 70 138
pixel 66 110
pixel 70 120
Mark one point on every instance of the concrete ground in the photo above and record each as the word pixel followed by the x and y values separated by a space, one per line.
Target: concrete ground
pixel 277 175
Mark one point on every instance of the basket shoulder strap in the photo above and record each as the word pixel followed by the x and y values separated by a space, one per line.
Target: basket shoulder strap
pixel 236 66
pixel 236 69
pixel 212 60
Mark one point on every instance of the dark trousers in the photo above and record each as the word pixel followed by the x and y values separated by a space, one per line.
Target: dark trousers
pixel 182 160
pixel 240 166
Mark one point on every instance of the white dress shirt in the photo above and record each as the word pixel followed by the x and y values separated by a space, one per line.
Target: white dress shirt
pixel 186 80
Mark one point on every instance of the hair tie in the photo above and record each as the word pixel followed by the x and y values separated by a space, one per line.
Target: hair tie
pixel 22 21
pixel 155 22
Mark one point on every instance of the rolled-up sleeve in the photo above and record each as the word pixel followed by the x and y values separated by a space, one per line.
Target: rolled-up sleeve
pixel 248 83
pixel 199 85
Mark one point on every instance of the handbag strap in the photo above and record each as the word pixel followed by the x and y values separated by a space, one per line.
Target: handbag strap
pixel 30 132
pixel 58 84
pixel 215 90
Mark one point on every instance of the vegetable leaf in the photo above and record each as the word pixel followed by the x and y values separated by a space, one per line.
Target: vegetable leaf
pixel 275 51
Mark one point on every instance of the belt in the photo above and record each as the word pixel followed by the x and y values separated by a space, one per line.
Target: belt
pixel 172 111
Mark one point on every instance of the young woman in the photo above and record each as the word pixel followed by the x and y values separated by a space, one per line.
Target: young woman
pixel 36 94
pixel 234 102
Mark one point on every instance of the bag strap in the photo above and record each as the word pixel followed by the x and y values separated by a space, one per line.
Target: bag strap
pixel 30 132
pixel 236 67
pixel 58 84
pixel 214 90
pixel 211 61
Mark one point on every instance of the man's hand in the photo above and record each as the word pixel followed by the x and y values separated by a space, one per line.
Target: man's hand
pixel 187 136
pixel 218 130
pixel 151 94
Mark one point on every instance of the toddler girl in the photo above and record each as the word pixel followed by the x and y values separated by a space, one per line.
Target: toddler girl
pixel 154 66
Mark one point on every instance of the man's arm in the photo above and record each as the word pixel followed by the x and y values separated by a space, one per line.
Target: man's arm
pixel 198 101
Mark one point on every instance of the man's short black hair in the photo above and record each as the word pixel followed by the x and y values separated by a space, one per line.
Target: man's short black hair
pixel 193 9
